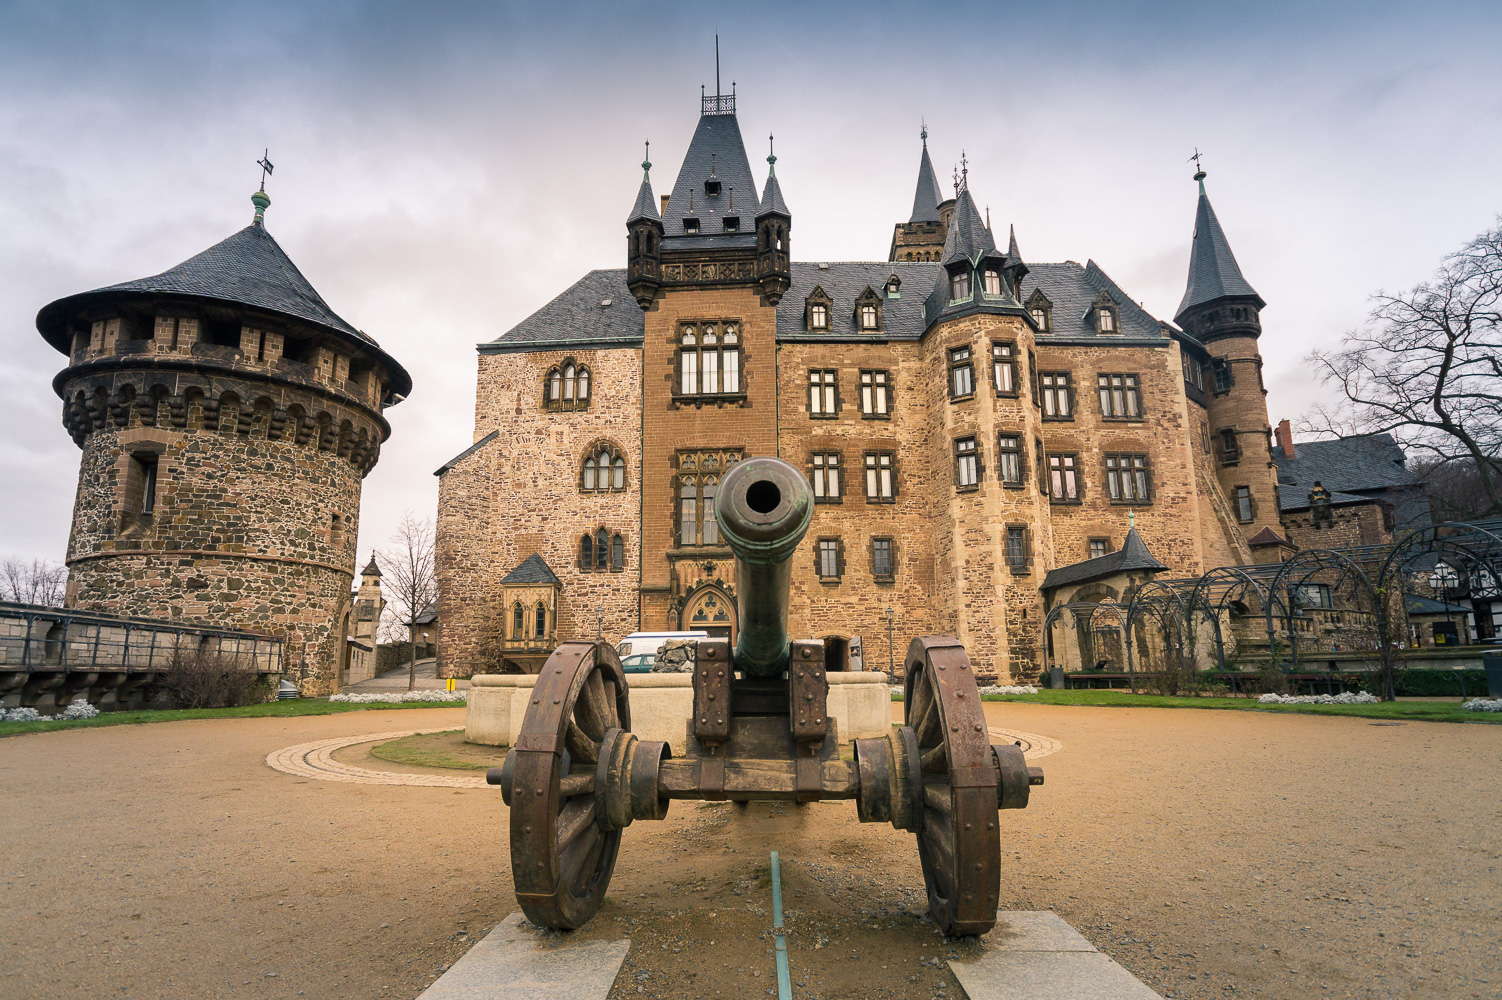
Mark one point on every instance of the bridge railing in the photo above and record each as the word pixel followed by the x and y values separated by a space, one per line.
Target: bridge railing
pixel 35 638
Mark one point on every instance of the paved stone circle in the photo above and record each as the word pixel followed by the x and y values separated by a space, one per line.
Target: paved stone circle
pixel 316 759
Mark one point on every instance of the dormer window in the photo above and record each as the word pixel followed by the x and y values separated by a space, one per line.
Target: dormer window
pixel 868 316
pixel 818 316
pixel 991 281
pixel 1041 310
pixel 732 223
pixel 868 310
pixel 894 287
pixel 1105 321
pixel 959 285
pixel 691 227
pixel 712 187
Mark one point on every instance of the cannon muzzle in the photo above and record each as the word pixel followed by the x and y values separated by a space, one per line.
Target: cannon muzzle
pixel 764 507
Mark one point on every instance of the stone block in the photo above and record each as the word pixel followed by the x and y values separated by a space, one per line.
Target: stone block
pixel 517 961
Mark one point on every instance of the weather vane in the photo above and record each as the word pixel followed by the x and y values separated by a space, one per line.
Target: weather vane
pixel 266 168
pixel 1199 171
pixel 964 171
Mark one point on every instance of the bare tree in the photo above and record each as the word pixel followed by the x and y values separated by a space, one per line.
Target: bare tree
pixel 1427 367
pixel 408 576
pixel 36 582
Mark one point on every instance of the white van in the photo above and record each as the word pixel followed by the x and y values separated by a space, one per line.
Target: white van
pixel 639 649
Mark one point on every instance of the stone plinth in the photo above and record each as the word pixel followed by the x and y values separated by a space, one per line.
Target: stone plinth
pixel 661 704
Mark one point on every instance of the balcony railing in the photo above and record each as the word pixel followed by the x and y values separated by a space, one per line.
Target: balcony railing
pixel 717 104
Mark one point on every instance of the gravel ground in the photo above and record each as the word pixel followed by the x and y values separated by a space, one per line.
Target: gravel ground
pixel 1214 854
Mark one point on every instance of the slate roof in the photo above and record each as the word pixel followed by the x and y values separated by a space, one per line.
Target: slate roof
pixel 646 201
pixel 576 318
pixel 1133 555
pixel 1213 272
pixel 373 568
pixel 927 198
pixel 249 268
pixel 1418 605
pixel 533 569
pixel 844 281
pixel 1353 469
pixel 1072 289
pixel 716 145
pixel 446 466
pixel 771 197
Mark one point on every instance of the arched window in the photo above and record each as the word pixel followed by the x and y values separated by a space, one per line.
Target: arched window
pixel 583 396
pixel 517 625
pixel 555 386
pixel 617 554
pixel 567 386
pixel 602 549
pixel 604 470
pixel 709 361
pixel 542 620
pixel 586 553
pixel 568 383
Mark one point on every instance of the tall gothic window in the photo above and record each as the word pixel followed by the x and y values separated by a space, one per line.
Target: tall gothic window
pixel 567 386
pixel 518 621
pixel 709 359
pixel 696 520
pixel 542 620
pixel 604 470
pixel 961 373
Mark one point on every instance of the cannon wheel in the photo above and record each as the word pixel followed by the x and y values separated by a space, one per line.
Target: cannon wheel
pixel 959 841
pixel 562 854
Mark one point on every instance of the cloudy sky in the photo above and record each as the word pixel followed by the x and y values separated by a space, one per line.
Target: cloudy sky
pixel 442 170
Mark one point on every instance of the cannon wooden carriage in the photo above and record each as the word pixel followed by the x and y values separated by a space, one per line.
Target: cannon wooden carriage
pixel 576 777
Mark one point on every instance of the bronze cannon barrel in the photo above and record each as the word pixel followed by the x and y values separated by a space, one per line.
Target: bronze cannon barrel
pixel 764 506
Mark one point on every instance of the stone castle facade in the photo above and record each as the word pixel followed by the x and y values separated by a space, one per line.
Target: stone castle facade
pixel 985 436
pixel 227 417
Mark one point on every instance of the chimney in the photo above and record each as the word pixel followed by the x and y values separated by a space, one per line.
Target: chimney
pixel 664 209
pixel 1285 439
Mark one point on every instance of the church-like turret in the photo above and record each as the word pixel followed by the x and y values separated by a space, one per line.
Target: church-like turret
pixel 921 237
pixel 644 241
pixel 773 223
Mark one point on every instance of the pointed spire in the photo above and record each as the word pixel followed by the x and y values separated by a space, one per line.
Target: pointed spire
pixel 968 235
pixel 373 568
pixel 1012 250
pixel 771 195
pixel 1213 271
pixel 927 197
pixel 771 156
pixel 646 202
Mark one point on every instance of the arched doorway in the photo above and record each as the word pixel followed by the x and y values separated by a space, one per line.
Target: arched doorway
pixel 709 610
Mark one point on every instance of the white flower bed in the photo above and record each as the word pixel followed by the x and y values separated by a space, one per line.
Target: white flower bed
pixel 401 697
pixel 1483 705
pixel 1344 698
pixel 987 689
pixel 77 710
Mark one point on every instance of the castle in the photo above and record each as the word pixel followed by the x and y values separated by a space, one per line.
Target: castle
pixel 227 417
pixel 985 436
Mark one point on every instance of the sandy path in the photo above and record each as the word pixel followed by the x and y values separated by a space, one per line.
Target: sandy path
pixel 1214 854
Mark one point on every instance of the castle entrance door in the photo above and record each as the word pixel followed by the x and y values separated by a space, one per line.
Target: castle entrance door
pixel 710 610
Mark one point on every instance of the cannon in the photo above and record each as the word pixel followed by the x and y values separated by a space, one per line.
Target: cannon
pixel 576 777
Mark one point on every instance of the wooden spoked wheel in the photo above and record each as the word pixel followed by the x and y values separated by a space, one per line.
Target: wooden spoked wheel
pixel 563 850
pixel 959 842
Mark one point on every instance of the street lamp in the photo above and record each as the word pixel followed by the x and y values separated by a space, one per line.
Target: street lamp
pixel 599 628
pixel 1441 581
pixel 890 664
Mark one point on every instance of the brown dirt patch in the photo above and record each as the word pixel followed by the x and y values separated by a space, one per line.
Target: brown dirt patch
pixel 1214 854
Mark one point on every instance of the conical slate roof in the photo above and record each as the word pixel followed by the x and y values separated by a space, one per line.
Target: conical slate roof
pixel 533 569
pixel 1012 252
pixel 373 569
pixel 968 236
pixel 1213 272
pixel 771 197
pixel 927 198
pixel 248 269
pixel 646 201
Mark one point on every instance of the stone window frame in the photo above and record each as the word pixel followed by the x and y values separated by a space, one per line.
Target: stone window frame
pixel 1105 313
pixel 591 466
pixel 1020 451
pixel 1004 358
pixel 1097 540
pixel 961 282
pixel 1036 303
pixel 1064 472
pixel 820 464
pixel 872 380
pixel 540 620
pixel 1244 503
pixel 817 298
pixel 1032 378
pixel 872 462
pixel 827 390
pixel 894 287
pixel 1017 548
pixel 868 309
pixel 567 386
pixel 1123 388
pixel 829 554
pixel 699 470
pixel 728 350
pixel 137 444
pixel 1222 378
pixel 961 369
pixel 602 551
pixel 1057 391
pixel 518 620
pixel 872 547
pixel 1227 445
pixel 1129 478
pixel 967 449
pixel 992 271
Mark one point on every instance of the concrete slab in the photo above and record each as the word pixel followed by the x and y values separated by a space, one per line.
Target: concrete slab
pixel 1035 955
pixel 517 961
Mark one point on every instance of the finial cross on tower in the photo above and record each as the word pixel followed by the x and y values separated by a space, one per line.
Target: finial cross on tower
pixel 924 133
pixel 1199 171
pixel 956 180
pixel 266 168
pixel 964 171
pixel 771 154
pixel 646 160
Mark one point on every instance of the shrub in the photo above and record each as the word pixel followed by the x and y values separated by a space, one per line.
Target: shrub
pixel 200 679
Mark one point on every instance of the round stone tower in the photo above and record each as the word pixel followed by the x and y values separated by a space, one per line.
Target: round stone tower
pixel 227 417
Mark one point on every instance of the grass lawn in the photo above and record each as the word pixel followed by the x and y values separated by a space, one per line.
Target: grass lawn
pixel 445 749
pixel 1396 711
pixel 290 707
